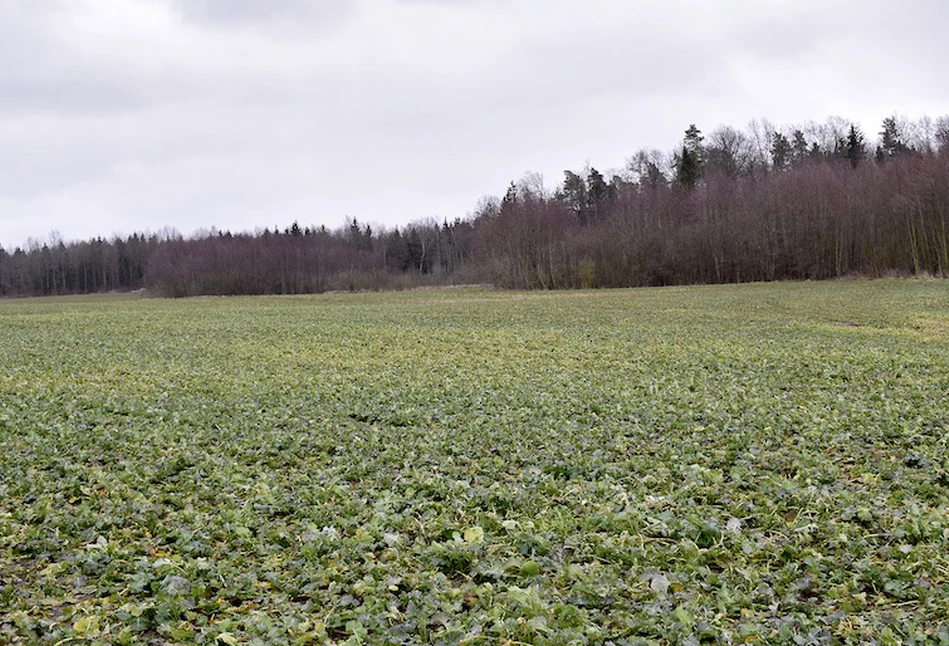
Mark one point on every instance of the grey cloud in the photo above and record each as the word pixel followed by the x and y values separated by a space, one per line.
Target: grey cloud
pixel 311 17
pixel 125 114
pixel 65 94
pixel 239 11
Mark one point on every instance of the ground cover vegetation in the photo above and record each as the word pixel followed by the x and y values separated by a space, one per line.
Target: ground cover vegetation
pixel 812 201
pixel 761 463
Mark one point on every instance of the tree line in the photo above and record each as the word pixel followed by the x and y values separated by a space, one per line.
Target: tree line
pixel 815 201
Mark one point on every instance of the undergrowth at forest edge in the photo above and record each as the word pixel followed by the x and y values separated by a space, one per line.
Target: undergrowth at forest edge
pixel 758 463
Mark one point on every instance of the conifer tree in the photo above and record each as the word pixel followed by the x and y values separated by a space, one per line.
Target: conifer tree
pixel 574 195
pixel 689 161
pixel 891 142
pixel 855 149
pixel 780 152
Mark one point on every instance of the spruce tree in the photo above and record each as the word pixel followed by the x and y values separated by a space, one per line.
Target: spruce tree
pixel 891 143
pixel 509 202
pixel 799 145
pixel 855 149
pixel 780 152
pixel 688 168
pixel 689 162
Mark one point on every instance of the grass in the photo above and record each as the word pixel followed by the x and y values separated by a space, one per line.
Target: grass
pixel 757 464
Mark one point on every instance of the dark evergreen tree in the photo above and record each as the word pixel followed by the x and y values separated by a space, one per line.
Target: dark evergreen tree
pixel 397 255
pixel 509 202
pixel 891 141
pixel 781 152
pixel 654 177
pixel 574 195
pixel 855 148
pixel 689 161
pixel 693 140
pixel 598 194
pixel 355 231
pixel 799 148
pixel 688 168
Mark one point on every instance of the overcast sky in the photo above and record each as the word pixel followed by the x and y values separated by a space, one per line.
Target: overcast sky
pixel 129 115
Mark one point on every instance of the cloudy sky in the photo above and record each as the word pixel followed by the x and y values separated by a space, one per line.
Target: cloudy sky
pixel 129 115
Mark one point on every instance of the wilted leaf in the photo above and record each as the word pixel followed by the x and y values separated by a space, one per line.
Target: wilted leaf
pixel 659 583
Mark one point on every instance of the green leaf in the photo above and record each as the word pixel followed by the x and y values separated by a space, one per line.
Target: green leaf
pixel 530 568
pixel 683 616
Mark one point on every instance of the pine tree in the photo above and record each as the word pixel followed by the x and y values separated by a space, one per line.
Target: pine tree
pixel 574 195
pixel 597 193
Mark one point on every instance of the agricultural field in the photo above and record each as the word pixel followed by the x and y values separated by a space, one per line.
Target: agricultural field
pixel 720 464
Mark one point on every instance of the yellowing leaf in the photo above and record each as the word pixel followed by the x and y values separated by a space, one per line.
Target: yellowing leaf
pixel 87 624
pixel 474 535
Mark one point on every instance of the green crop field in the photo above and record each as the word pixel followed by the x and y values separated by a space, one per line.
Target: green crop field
pixel 723 464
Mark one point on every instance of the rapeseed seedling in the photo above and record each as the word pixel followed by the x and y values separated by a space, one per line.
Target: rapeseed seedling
pixel 755 464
